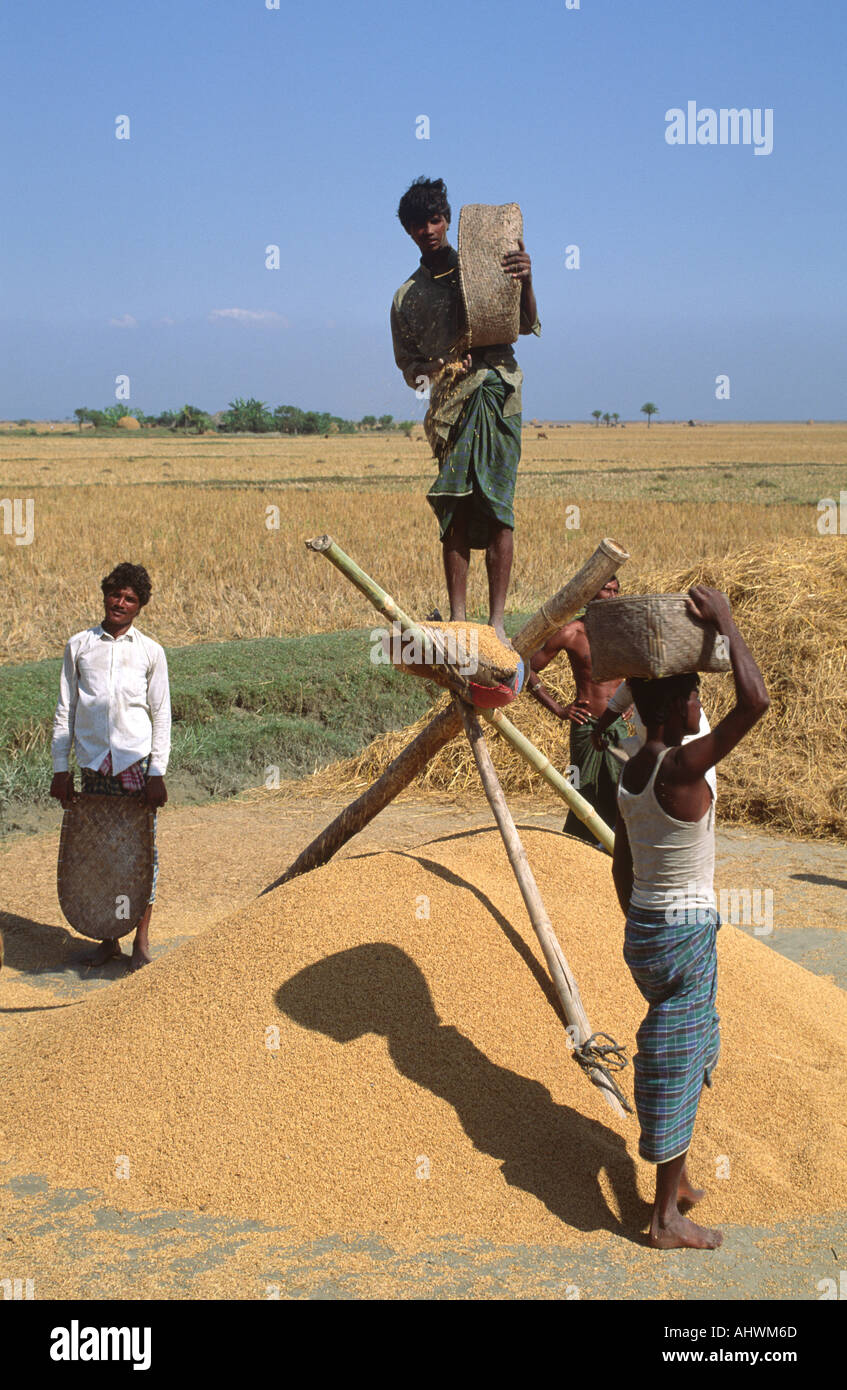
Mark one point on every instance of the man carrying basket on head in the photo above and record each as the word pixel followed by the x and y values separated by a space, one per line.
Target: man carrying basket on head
pixel 663 869
pixel 473 423
pixel 114 707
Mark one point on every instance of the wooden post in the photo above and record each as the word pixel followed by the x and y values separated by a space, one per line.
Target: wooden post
pixel 396 776
pixel 606 560
pixel 432 644
pixel 558 610
pixel 566 986
pixel 528 751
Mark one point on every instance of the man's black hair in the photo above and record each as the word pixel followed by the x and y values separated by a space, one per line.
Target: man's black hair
pixel 127 576
pixel 423 199
pixel 653 699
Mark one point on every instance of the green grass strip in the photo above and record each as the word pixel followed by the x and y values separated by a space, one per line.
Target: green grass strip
pixel 295 703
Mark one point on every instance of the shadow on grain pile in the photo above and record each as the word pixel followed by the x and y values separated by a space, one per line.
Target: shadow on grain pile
pixel 374 1048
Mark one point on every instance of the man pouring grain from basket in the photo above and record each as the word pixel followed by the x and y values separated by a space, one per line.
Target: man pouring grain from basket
pixel 114 709
pixel 473 423
pixel 663 869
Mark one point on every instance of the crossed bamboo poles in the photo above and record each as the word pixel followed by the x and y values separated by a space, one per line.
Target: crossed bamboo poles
pixel 603 564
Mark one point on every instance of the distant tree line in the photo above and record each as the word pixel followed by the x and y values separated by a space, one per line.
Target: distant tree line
pixel 648 409
pixel 244 417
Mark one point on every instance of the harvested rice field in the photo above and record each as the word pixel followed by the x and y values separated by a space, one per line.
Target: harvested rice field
pixel 220 522
pixel 359 1085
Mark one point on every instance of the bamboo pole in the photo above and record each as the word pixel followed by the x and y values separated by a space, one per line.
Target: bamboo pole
pixel 412 760
pixel 607 558
pixel 558 610
pixel 566 987
pixel 597 571
pixel 528 751
pixel 429 643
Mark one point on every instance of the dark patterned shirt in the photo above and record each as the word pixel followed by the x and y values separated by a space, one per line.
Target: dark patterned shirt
pixel 426 322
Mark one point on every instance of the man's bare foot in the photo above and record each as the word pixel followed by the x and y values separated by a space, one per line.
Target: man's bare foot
pixel 679 1233
pixel 108 950
pixel 140 957
pixel 687 1195
pixel 500 630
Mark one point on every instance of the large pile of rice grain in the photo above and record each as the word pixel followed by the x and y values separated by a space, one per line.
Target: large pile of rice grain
pixel 791 607
pixel 422 1085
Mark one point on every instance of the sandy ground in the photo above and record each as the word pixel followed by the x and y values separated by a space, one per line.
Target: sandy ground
pixel 214 858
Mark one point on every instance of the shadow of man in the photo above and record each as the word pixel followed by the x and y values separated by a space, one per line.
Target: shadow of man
pixel 549 1150
pixel 48 952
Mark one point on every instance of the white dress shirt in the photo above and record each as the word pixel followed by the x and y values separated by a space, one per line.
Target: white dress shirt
pixel 113 698
pixel 621 701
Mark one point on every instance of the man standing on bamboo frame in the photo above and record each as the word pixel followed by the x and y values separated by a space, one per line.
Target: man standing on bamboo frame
pixel 473 423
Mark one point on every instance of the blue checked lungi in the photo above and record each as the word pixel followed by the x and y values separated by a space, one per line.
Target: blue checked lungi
pixel 127 783
pixel 675 966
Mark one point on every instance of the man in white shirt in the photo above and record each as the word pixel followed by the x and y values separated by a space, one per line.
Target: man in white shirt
pixel 115 709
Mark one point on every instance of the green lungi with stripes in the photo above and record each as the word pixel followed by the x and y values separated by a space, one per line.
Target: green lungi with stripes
pixel 481 461
pixel 675 966
pixel 599 774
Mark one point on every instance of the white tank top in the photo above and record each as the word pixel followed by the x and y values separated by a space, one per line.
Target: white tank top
pixel 621 701
pixel 673 861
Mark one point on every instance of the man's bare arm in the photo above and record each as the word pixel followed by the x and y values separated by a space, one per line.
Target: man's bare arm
pixel 692 760
pixel 519 266
pixel 540 692
pixel 622 865
pixel 561 641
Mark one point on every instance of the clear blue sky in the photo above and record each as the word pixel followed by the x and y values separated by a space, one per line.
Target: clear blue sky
pixel 296 126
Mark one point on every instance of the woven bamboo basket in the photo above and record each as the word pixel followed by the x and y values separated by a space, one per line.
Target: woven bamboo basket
pixel 491 299
pixel 650 636
pixel 105 870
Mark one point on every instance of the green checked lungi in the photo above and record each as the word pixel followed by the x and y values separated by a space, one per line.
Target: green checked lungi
pixel 599 774
pixel 676 969
pixel 481 462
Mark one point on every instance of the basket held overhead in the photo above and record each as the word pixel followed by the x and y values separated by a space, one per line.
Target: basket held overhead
pixel 651 635
pixel 491 299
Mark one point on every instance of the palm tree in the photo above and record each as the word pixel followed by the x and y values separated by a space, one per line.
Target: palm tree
pixel 191 418
pixel 607 419
pixel 615 416
pixel 648 410
pixel 597 416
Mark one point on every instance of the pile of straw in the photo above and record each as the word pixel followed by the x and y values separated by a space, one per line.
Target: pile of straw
pixel 791 606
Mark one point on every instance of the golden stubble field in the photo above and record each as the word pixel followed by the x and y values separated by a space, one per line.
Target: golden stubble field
pixel 220 521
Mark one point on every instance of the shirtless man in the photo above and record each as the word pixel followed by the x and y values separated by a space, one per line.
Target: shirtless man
pixel 599 769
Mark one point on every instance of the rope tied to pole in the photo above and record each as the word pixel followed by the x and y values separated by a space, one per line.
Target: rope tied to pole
pixel 605 1058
